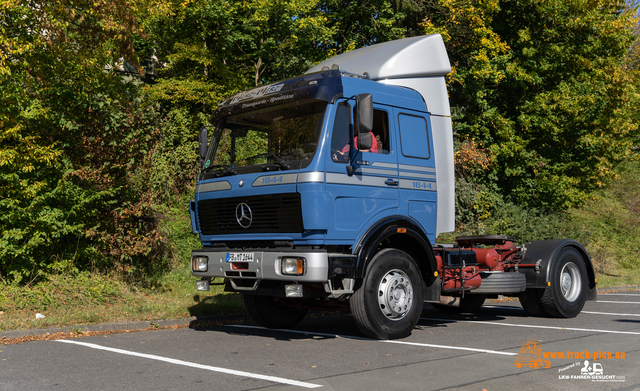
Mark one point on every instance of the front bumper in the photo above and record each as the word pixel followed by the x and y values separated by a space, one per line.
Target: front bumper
pixel 266 265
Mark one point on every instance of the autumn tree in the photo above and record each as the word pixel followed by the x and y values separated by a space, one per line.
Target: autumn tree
pixel 75 145
pixel 212 48
pixel 542 87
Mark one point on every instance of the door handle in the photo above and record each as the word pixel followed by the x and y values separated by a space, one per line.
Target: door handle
pixel 391 182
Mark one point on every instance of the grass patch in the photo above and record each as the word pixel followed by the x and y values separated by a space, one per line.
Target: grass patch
pixel 618 277
pixel 91 299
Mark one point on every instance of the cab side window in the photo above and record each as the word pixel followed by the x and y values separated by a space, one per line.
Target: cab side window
pixel 381 131
pixel 340 137
pixel 414 136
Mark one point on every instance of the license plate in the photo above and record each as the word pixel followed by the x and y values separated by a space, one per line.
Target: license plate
pixel 239 257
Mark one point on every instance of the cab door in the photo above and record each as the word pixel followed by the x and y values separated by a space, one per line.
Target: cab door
pixel 371 193
pixel 417 172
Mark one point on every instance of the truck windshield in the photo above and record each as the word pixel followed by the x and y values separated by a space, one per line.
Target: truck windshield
pixel 269 139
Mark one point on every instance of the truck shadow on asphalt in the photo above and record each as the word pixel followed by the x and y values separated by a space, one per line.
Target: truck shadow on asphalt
pixel 206 306
pixel 317 326
pixel 627 320
pixel 484 313
pixel 330 325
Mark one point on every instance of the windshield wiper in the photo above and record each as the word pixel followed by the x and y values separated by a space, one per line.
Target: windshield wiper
pixel 277 161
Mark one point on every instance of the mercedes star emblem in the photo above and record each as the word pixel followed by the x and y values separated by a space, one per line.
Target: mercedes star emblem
pixel 244 217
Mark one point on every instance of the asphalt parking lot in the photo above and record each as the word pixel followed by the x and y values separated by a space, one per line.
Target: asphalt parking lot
pixel 446 351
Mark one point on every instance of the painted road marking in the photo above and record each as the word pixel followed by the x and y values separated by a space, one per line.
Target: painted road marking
pixel 608 313
pixel 199 366
pixel 533 326
pixel 582 312
pixel 619 302
pixel 377 340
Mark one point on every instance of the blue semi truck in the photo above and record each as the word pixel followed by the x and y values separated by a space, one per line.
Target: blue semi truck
pixel 327 191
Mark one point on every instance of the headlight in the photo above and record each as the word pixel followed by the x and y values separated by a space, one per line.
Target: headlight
pixel 293 266
pixel 199 263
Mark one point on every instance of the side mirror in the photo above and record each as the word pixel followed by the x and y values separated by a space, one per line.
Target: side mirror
pixel 364 112
pixel 365 141
pixel 202 146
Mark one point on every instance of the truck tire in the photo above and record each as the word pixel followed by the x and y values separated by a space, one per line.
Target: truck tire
pixel 389 303
pixel 530 301
pixel 567 293
pixel 272 312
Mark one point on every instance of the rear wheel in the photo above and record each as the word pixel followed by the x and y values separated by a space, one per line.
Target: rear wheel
pixel 273 312
pixel 530 301
pixel 389 303
pixel 566 295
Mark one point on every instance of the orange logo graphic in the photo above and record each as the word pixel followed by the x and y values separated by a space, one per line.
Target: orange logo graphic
pixel 531 356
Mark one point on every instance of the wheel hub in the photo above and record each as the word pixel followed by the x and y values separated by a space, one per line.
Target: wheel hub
pixel 566 282
pixel 395 294
pixel 570 282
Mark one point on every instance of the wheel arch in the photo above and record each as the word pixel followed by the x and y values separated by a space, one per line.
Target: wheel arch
pixel 545 252
pixel 403 234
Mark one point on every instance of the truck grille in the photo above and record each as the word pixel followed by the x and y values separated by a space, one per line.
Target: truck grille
pixel 274 213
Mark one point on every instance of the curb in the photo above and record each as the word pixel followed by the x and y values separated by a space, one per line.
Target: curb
pixel 145 324
pixel 97 327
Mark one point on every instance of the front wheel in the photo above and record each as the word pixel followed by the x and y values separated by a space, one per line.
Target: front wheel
pixel 273 312
pixel 566 295
pixel 389 303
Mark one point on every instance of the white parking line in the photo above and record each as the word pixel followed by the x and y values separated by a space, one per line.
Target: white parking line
pixel 618 302
pixel 533 326
pixel 199 366
pixel 378 340
pixel 608 313
pixel 582 312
